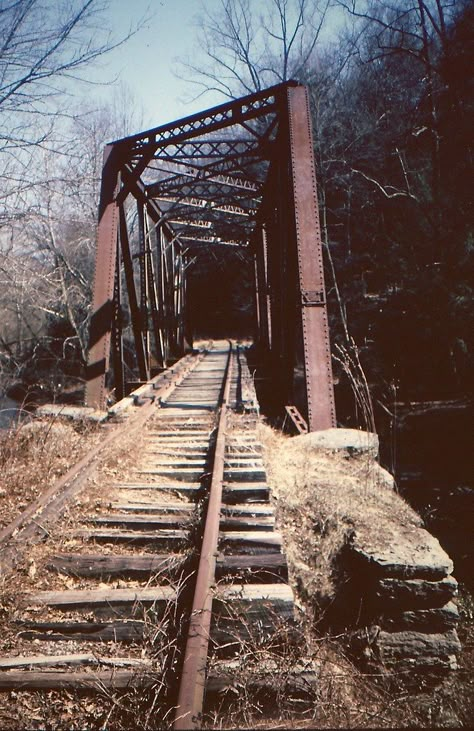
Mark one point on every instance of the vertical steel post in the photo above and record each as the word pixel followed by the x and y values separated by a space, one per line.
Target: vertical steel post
pixel 314 320
pixel 263 298
pixel 132 297
pixel 117 336
pixel 100 331
pixel 152 292
pixel 161 289
pixel 257 298
pixel 144 284
pixel 267 305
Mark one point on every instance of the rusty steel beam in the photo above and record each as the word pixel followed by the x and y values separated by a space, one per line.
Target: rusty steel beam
pixel 100 331
pixel 225 166
pixel 213 185
pixel 210 205
pixel 132 297
pixel 314 319
pixel 179 179
pixel 211 120
pixel 153 298
pixel 263 308
pixel 144 285
pixel 299 422
pixel 117 334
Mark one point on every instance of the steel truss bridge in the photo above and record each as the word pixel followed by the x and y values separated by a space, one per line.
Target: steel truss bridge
pixel 241 174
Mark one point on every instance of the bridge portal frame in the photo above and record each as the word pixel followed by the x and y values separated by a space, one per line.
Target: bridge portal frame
pixel 253 186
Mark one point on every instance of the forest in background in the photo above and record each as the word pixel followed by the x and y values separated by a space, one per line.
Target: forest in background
pixel 392 108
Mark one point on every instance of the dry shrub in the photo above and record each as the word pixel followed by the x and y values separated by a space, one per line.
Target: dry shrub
pixel 323 500
pixel 293 679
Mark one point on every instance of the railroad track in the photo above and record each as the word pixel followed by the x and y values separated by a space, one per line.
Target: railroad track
pixel 175 560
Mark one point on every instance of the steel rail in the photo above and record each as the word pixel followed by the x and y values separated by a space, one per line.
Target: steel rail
pixel 193 674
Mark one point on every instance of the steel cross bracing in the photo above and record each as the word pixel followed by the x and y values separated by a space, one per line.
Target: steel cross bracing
pixel 241 174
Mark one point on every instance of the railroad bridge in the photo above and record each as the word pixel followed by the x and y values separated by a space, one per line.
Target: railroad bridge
pixel 239 175
pixel 163 571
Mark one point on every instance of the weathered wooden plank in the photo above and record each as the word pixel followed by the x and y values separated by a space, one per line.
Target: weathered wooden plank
pixel 97 565
pixel 245 474
pixel 251 449
pixel 277 595
pixel 90 598
pixel 254 509
pixel 181 436
pixel 138 522
pixel 158 537
pixel 181 488
pixel 261 568
pixel 137 507
pixel 178 463
pixel 245 611
pixel 125 631
pixel 10 663
pixel 183 452
pixel 293 684
pixel 247 523
pixel 79 680
pixel 299 683
pixel 243 540
pixel 245 493
pixel 180 473
pixel 244 460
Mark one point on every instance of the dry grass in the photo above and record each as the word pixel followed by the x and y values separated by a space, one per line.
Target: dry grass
pixel 311 487
pixel 34 454
pixel 143 706
pixel 33 457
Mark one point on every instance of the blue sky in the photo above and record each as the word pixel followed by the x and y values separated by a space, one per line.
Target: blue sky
pixel 146 63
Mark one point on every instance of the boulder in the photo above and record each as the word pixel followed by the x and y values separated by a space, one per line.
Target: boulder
pixel 353 441
pixel 383 477
pixel 392 646
pixel 407 650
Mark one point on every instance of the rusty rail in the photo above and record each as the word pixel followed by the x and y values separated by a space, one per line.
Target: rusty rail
pixel 193 676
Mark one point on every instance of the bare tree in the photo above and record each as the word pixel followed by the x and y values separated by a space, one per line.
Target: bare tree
pixel 47 255
pixel 244 48
pixel 46 46
pixel 402 34
pixel 43 45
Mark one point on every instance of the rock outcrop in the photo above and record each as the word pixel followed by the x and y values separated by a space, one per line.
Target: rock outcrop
pixel 360 555
pixel 406 602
